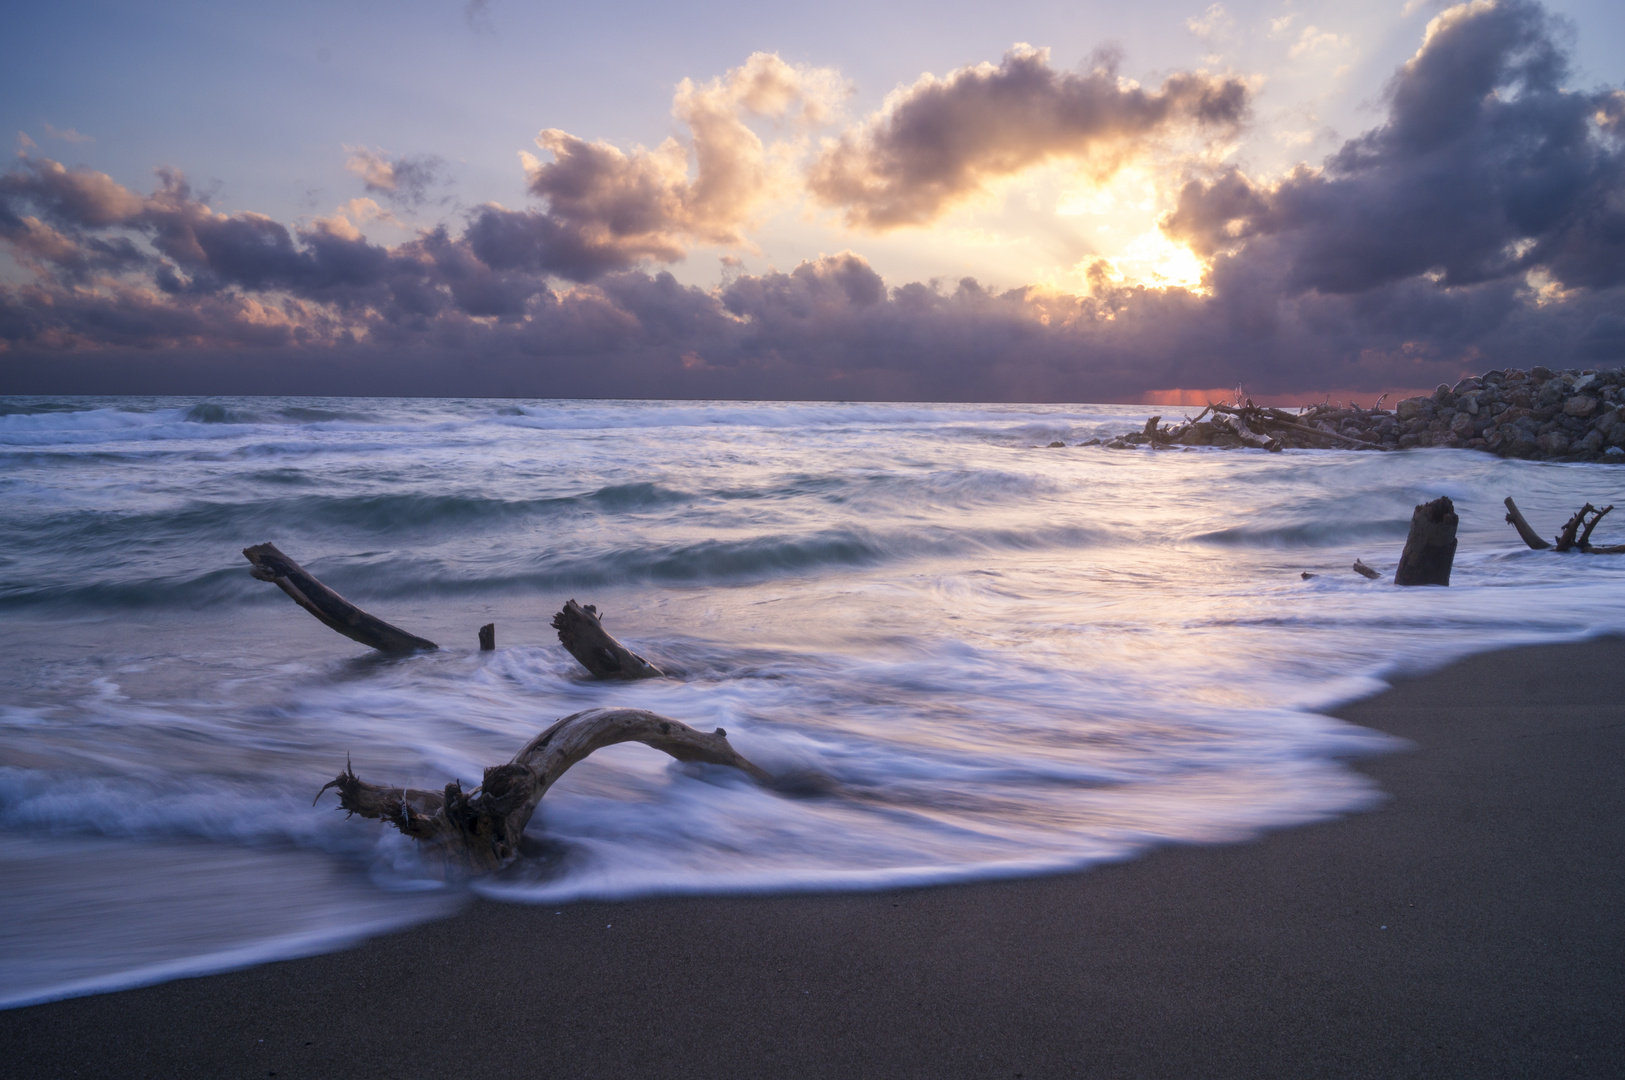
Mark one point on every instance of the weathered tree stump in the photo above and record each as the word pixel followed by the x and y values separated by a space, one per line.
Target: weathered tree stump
pixel 581 631
pixel 479 831
pixel 271 565
pixel 1430 549
pixel 488 637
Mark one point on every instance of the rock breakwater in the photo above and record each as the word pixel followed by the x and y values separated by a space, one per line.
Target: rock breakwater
pixel 1537 414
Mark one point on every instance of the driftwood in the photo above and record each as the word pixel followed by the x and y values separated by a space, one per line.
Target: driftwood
pixel 1237 422
pixel 1516 519
pixel 1365 571
pixel 488 637
pixel 1574 536
pixel 581 630
pixel 1588 516
pixel 271 565
pixel 479 831
pixel 1430 549
pixel 1330 436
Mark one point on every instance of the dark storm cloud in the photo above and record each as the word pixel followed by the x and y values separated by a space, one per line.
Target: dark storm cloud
pixel 1481 224
pixel 944 140
pixel 1486 168
pixel 86 221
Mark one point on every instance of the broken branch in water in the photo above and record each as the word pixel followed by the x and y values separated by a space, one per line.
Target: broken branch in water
pixel 1530 536
pixel 478 831
pixel 1365 571
pixel 581 630
pixel 333 610
pixel 1575 534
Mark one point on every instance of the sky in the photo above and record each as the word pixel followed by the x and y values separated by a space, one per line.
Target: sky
pixel 856 201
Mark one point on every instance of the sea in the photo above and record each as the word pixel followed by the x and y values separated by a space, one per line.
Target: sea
pixel 1002 657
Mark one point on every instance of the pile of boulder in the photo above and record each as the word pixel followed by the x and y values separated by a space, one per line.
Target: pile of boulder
pixel 1538 414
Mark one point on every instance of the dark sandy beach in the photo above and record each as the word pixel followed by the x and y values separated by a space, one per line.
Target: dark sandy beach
pixel 1474 926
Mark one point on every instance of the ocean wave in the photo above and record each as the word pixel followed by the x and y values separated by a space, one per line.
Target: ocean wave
pixel 1305 534
pixel 397 574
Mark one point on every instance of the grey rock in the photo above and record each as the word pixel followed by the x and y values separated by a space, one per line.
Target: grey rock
pixel 1555 442
pixel 1410 408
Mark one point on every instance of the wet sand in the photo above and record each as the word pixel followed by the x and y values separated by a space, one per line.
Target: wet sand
pixel 1474 926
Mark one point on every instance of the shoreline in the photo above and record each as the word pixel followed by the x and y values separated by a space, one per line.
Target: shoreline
pixel 1468 927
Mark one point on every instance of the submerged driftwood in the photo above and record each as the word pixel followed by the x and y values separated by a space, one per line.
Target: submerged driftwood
pixel 581 631
pixel 479 831
pixel 1430 549
pixel 1574 536
pixel 271 565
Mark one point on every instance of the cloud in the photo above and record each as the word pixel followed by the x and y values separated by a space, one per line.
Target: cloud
pixel 612 208
pixel 406 180
pixel 1480 223
pixel 67 135
pixel 1214 20
pixel 942 141
pixel 1486 168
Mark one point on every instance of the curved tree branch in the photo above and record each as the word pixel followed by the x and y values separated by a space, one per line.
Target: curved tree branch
pixel 479 831
pixel 271 565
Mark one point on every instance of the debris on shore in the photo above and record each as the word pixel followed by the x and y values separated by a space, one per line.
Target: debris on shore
pixel 1539 414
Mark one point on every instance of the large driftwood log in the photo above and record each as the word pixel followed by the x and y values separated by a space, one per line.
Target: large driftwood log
pixel 478 831
pixel 581 630
pixel 1430 549
pixel 271 565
